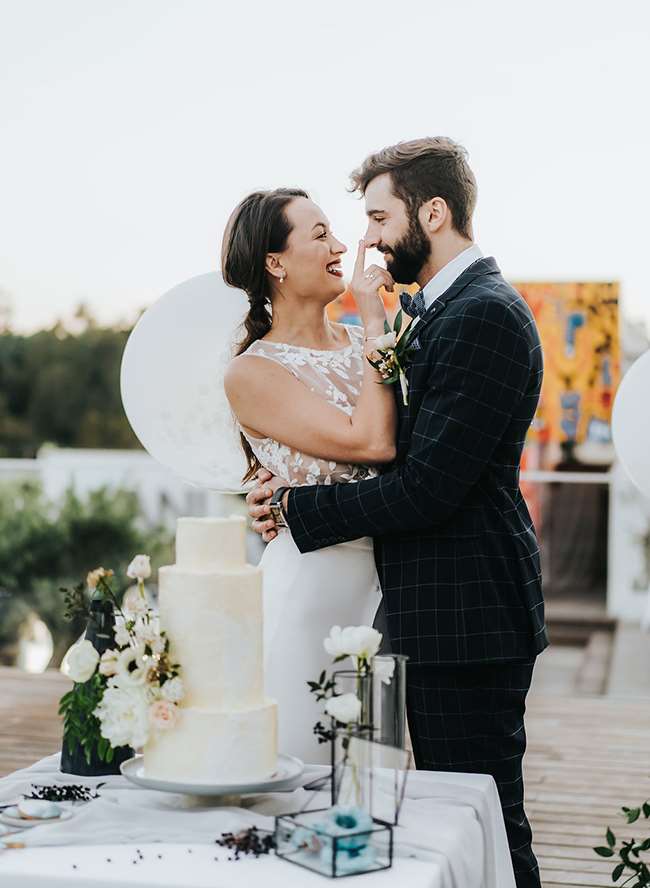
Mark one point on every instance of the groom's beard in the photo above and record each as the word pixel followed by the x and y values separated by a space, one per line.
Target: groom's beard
pixel 409 254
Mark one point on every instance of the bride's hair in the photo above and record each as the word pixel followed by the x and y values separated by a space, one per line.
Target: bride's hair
pixel 257 226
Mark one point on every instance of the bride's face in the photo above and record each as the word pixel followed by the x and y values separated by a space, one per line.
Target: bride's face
pixel 312 259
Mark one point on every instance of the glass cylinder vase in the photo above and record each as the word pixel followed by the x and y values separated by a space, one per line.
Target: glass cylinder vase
pixel 345 788
pixel 389 700
pixel 369 759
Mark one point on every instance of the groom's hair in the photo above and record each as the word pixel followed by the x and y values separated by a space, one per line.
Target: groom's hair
pixel 422 169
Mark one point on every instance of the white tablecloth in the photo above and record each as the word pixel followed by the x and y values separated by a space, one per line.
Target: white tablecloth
pixel 451 835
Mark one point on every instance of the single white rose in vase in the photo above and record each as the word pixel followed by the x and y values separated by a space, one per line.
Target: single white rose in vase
pixel 361 642
pixel 345 709
pixel 82 661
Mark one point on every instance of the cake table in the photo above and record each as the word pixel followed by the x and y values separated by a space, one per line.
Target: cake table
pixel 451 834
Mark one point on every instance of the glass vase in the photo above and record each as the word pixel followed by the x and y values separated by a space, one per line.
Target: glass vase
pixel 368 759
pixel 389 700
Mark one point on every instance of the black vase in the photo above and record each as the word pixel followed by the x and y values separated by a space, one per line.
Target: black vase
pixel 99 631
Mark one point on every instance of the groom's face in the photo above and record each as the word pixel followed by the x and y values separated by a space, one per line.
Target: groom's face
pixel 394 232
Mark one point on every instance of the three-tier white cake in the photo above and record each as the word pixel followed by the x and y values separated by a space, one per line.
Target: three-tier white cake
pixel 210 605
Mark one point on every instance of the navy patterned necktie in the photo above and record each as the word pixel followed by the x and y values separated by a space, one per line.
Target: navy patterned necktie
pixel 413 305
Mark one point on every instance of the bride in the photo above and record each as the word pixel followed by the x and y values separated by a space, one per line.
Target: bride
pixel 310 409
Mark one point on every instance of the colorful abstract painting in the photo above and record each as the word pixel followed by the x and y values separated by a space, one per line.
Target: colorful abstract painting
pixel 578 325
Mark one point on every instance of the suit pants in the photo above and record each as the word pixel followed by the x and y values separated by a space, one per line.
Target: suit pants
pixel 470 718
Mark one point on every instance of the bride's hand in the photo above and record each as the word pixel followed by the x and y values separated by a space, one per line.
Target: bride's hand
pixel 258 507
pixel 365 285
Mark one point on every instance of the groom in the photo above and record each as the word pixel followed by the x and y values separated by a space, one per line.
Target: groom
pixel 455 546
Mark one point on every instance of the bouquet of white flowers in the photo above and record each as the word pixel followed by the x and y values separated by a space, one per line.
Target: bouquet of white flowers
pixel 130 689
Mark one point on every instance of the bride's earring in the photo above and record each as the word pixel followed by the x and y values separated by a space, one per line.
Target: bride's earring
pixel 282 277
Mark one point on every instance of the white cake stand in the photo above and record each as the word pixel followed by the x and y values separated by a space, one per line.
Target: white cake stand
pixel 285 778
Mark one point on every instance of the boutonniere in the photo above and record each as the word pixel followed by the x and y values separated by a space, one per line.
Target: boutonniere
pixel 390 354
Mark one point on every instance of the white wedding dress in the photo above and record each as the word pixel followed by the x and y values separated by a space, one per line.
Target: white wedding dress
pixel 305 595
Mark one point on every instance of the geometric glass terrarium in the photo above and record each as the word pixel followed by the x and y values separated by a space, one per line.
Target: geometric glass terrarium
pixel 335 841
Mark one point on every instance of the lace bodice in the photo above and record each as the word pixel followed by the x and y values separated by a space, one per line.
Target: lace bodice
pixel 336 376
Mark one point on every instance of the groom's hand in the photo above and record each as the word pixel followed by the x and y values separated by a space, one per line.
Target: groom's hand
pixel 258 504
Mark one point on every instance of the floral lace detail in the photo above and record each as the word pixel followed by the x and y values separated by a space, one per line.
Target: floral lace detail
pixel 336 376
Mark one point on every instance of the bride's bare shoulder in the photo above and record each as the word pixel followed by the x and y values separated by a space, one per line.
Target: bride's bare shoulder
pixel 246 372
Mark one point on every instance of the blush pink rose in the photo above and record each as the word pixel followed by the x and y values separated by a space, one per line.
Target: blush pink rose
pixel 163 715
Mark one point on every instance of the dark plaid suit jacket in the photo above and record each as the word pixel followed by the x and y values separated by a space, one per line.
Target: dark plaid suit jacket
pixel 455 546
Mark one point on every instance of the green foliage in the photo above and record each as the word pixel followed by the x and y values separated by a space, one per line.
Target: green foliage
pixel 44 547
pixel 76 602
pixel 63 388
pixel 629 852
pixel 80 726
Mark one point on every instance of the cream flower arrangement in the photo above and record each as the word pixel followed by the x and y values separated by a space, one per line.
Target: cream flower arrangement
pixel 133 688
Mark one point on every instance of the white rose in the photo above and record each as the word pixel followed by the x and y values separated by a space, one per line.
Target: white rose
pixel 123 715
pixel 388 340
pixel 173 689
pixel 108 663
pixel 82 661
pixel 346 708
pixel 365 642
pixel 334 643
pixel 122 636
pixel 134 603
pixel 383 669
pixel 353 641
pixel 140 568
pixel 128 676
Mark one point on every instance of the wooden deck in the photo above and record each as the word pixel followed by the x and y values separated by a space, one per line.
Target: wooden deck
pixel 587 756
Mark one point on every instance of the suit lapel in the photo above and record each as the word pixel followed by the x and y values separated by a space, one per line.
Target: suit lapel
pixel 481 267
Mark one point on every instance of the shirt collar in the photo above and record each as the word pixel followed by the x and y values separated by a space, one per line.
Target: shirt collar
pixel 442 280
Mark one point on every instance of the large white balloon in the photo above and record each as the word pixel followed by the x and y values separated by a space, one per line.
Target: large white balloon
pixel 172 381
pixel 631 423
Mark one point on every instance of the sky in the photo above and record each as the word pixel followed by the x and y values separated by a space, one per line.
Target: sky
pixel 129 131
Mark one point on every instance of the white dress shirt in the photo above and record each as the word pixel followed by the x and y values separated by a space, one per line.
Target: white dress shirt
pixel 442 280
